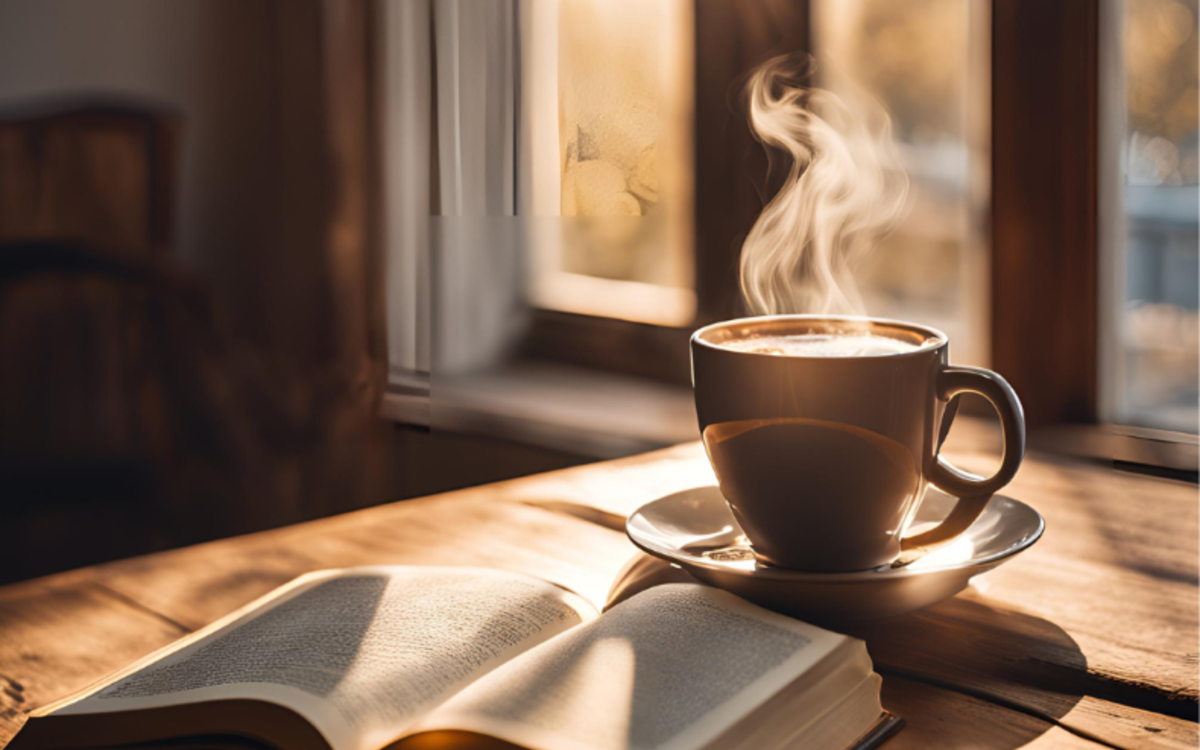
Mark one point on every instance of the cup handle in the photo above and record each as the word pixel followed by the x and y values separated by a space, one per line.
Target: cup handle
pixel 972 491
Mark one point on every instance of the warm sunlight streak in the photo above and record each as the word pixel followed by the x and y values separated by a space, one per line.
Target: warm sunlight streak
pixel 952 553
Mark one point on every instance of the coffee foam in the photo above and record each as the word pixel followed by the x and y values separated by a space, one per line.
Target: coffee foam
pixel 822 345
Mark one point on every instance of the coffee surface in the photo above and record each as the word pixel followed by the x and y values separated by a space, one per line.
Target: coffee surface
pixel 822 345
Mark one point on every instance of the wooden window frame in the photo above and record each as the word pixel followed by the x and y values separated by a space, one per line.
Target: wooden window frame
pixel 1044 238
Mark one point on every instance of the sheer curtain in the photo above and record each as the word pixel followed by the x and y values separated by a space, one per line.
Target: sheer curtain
pixel 451 95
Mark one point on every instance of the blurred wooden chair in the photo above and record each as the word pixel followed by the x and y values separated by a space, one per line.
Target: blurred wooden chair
pixel 124 426
pixel 130 420
pixel 86 197
pixel 101 173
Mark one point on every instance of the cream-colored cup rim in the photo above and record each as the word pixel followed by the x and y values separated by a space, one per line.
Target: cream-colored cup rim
pixel 931 338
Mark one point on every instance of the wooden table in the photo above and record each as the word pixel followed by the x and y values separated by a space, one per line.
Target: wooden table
pixel 1087 640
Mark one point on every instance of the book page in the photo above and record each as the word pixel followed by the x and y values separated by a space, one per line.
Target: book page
pixel 360 653
pixel 669 669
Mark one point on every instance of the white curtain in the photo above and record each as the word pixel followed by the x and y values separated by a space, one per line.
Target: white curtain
pixel 450 93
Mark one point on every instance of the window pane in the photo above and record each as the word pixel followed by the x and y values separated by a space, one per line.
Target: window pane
pixel 615 123
pixel 926 61
pixel 1158 330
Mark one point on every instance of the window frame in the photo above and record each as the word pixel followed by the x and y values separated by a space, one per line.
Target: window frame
pixel 1044 206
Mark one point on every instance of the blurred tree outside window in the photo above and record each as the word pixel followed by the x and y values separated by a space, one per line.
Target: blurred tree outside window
pixel 927 62
pixel 1158 327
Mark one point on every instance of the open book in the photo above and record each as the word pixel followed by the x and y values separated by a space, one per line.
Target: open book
pixel 426 657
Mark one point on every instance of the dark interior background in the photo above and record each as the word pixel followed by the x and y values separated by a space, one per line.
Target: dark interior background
pixel 189 330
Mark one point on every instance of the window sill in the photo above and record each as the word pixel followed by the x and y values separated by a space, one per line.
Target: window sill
pixel 591 413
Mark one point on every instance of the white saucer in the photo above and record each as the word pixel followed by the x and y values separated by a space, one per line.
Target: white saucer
pixel 695 530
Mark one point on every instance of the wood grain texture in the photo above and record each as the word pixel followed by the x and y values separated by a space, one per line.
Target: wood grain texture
pixel 940 719
pixel 54 641
pixel 1090 635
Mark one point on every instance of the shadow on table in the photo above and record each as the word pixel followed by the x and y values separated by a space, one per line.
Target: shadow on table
pixel 1008 658
pixel 1002 655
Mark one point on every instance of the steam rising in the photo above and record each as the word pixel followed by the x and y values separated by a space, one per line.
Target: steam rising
pixel 844 190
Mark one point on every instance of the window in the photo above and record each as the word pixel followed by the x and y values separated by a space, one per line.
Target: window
pixel 1155 274
pixel 607 95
